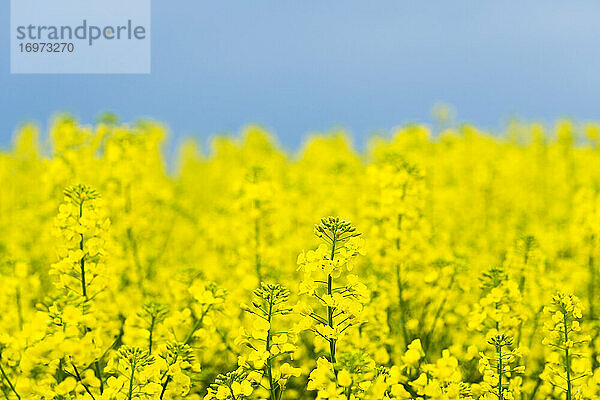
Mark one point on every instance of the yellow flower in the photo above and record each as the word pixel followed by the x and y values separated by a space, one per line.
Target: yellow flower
pixel 243 388
pixel 66 386
pixel 344 378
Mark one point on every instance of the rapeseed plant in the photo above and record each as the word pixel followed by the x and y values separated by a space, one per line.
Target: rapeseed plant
pixel 500 371
pixel 122 277
pixel 268 344
pixel 566 366
pixel 342 303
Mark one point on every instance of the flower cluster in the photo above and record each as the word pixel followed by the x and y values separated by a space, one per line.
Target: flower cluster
pixel 233 385
pixel 500 371
pixel 123 274
pixel 565 365
pixel 81 226
pixel 267 344
pixel 341 302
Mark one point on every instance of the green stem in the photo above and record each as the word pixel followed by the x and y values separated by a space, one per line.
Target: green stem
pixel 99 373
pixel 567 356
pixel 166 383
pixel 82 262
pixel 330 309
pixel 497 323
pixel 164 387
pixel 591 301
pixel 232 394
pixel 440 309
pixel 538 383
pixel 81 381
pixel 130 394
pixel 9 382
pixel 196 326
pixel 500 370
pixel 268 347
pixel 150 336
pixel 84 293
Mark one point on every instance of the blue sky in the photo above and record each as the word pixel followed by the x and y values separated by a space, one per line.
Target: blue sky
pixel 307 66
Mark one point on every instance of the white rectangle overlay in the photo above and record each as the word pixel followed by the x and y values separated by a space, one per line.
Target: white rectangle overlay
pixel 75 36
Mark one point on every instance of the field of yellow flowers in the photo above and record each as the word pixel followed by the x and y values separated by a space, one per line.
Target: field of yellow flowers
pixel 455 265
